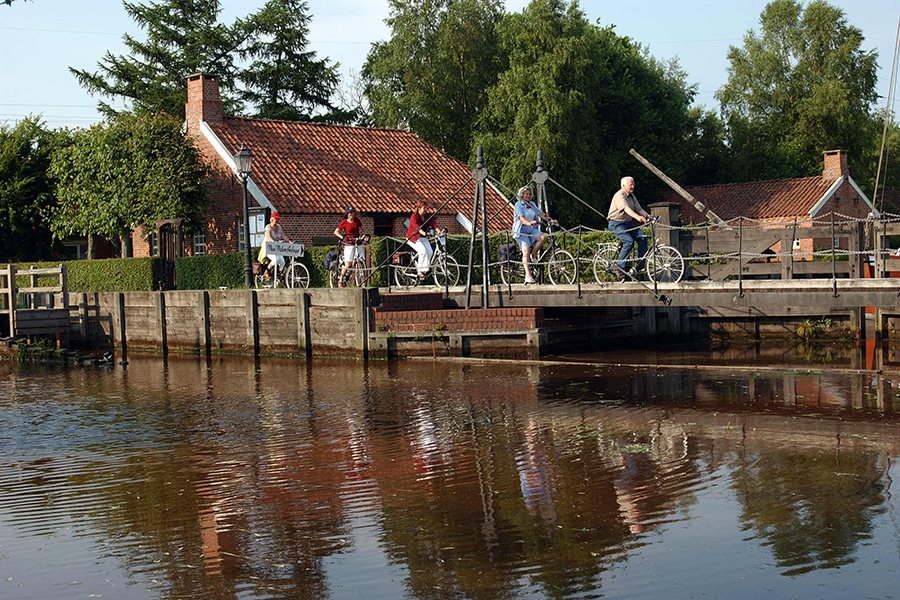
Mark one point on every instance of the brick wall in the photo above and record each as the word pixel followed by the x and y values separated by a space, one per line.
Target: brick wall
pixel 449 320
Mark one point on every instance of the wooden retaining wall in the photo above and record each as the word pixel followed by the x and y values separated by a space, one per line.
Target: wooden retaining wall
pixel 328 322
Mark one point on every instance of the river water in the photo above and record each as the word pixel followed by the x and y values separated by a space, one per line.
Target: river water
pixel 742 474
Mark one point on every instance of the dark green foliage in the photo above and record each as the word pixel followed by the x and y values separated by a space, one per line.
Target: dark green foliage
pixel 26 192
pixel 285 80
pixel 433 74
pixel 183 37
pixel 210 272
pixel 129 172
pixel 108 275
pixel 801 86
pixel 584 96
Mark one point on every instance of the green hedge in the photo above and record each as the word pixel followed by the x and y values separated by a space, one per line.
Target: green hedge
pixel 104 275
pixel 210 271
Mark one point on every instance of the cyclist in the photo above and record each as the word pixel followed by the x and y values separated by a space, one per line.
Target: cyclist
pixel 525 230
pixel 273 233
pixel 350 230
pixel 625 217
pixel 420 223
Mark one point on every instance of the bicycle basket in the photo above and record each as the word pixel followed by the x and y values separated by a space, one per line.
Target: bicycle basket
pixel 508 252
pixel 402 259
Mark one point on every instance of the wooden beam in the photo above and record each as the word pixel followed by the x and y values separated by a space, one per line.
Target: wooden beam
pixel 704 210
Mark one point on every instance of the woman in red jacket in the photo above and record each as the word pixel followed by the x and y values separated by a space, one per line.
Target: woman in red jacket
pixel 419 223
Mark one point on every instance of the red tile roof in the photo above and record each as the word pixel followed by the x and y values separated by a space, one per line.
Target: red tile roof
pixel 321 168
pixel 775 199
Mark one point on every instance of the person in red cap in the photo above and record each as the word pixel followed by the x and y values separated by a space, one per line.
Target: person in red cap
pixel 273 233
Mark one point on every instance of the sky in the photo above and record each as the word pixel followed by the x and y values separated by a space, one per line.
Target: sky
pixel 41 39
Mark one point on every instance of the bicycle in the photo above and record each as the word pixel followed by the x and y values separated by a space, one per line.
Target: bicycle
pixel 663 263
pixel 444 267
pixel 295 275
pixel 560 264
pixel 358 273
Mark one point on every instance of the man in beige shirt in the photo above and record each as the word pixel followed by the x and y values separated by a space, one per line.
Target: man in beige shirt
pixel 625 219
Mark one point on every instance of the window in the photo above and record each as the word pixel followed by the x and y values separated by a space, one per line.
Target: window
pixel 383 225
pixel 257 229
pixel 154 244
pixel 200 243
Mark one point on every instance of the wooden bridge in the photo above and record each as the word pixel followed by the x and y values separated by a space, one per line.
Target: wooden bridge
pixel 32 310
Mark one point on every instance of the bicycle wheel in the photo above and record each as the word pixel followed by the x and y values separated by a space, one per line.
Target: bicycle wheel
pixel 261 282
pixel 604 261
pixel 405 276
pixel 665 264
pixel 561 267
pixel 297 275
pixel 360 274
pixel 511 272
pixel 446 271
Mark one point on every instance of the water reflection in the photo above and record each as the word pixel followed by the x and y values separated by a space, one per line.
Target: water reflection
pixel 234 478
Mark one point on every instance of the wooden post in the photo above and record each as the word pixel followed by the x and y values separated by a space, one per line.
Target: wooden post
pixel 787 254
pixel 120 317
pixel 161 316
pixel 206 337
pixel 253 321
pixel 11 298
pixel 303 326
pixel 364 322
pixel 82 317
pixel 858 322
pixel 64 284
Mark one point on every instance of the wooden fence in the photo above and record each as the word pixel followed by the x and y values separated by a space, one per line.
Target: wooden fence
pixel 33 309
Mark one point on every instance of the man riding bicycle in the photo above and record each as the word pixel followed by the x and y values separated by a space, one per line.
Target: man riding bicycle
pixel 625 217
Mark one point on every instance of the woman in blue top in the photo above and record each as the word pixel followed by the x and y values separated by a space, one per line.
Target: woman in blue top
pixel 525 229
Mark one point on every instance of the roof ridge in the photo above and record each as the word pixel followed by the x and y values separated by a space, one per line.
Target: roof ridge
pixel 737 183
pixel 323 124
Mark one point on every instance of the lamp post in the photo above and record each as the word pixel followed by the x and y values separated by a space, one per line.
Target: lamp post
pixel 243 159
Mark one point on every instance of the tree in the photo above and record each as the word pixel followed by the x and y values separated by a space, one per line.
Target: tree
pixel 801 86
pixel 127 173
pixel 183 37
pixel 432 75
pixel 584 96
pixel 285 80
pixel 26 193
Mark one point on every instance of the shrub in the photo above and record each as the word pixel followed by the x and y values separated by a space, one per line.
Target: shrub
pixel 103 275
pixel 210 271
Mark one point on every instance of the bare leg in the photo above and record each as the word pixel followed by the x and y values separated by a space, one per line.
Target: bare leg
pixel 526 258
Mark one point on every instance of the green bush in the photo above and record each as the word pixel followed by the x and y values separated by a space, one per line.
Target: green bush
pixel 210 271
pixel 103 275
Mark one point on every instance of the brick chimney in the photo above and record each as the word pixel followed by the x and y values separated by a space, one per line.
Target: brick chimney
pixel 203 101
pixel 835 165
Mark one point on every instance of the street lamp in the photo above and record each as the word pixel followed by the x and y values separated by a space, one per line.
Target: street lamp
pixel 243 159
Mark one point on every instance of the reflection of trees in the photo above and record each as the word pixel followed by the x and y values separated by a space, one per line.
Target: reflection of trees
pixel 812 509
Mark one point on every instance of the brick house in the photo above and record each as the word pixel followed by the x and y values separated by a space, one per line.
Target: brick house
pixel 780 201
pixel 309 172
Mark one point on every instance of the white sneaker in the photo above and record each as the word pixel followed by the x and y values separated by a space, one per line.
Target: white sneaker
pixel 530 280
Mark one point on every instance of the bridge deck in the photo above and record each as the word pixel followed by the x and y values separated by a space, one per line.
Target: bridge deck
pixel 763 294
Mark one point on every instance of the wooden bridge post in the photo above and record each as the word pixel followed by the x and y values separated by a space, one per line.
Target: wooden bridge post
pixel 11 298
pixel 669 214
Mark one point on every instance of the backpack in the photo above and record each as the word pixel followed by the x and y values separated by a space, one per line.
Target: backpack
pixel 508 252
pixel 331 260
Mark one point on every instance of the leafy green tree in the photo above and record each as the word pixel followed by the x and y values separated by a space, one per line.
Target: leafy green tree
pixel 432 75
pixel 129 172
pixel 801 86
pixel 26 193
pixel 285 80
pixel 183 37
pixel 584 96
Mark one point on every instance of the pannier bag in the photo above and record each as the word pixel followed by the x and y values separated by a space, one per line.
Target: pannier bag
pixel 331 260
pixel 402 258
pixel 508 252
